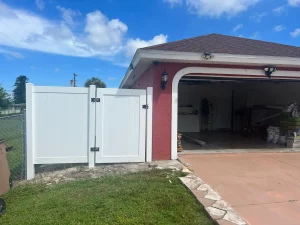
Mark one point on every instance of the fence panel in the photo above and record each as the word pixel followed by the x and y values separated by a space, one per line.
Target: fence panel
pixel 67 124
pixel 12 131
pixel 58 125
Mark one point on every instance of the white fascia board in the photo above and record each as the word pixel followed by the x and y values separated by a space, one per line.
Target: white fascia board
pixel 136 58
pixel 191 57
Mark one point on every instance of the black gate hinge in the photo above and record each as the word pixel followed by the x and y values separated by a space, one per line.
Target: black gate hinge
pixel 94 149
pixel 145 106
pixel 95 99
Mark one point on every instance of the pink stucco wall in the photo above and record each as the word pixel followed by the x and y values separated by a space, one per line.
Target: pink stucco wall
pixel 161 137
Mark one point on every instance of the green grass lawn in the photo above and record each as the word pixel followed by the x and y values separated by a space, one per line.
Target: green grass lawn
pixel 155 197
pixel 11 129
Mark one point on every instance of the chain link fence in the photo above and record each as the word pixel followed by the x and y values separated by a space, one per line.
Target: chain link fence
pixel 12 130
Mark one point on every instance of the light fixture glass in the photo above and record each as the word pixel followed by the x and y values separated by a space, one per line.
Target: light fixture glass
pixel 164 79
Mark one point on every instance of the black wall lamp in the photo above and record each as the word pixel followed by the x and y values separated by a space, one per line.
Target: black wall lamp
pixel 207 55
pixel 164 80
pixel 269 70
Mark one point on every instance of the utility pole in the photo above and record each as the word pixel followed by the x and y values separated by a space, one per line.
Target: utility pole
pixel 74 79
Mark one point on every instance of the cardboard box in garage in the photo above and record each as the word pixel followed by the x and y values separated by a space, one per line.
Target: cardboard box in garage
pixel 4 169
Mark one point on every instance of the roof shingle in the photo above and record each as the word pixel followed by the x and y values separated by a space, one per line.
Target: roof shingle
pixel 217 43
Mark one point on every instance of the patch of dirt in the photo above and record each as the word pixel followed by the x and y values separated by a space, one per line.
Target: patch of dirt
pixel 53 174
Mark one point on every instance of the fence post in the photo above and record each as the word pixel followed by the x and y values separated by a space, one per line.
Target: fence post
pixel 149 92
pixel 24 147
pixel 92 126
pixel 29 132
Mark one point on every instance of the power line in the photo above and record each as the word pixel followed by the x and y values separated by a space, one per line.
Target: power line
pixel 11 39
pixel 12 30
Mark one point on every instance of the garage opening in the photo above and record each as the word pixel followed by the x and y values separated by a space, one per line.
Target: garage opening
pixel 221 114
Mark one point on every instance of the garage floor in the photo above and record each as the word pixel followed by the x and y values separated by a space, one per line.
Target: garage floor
pixel 218 141
pixel 262 187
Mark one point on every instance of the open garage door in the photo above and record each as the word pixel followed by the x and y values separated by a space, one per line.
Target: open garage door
pixel 217 111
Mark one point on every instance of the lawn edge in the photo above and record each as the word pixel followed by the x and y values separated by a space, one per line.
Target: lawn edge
pixel 215 207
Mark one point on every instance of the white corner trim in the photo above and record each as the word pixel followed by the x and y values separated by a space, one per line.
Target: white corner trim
pixel 205 70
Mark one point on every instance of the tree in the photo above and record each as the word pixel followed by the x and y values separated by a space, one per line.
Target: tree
pixel 95 81
pixel 5 100
pixel 20 89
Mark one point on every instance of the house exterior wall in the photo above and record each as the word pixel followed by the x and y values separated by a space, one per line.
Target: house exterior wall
pixel 162 101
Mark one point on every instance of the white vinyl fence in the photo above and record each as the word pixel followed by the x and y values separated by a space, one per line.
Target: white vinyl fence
pixel 87 125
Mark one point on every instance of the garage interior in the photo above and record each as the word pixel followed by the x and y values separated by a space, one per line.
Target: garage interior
pixel 225 114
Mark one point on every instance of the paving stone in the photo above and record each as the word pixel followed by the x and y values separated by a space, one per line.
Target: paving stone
pixel 221 204
pixel 206 202
pixel 204 187
pixel 216 214
pixel 199 194
pixel 192 176
pixel 186 170
pixel 185 180
pixel 194 184
pixel 213 195
pixel 233 217
pixel 225 222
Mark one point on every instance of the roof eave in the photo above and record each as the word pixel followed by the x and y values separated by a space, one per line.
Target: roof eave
pixel 192 57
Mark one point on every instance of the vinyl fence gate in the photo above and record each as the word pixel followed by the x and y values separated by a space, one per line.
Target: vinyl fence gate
pixel 87 125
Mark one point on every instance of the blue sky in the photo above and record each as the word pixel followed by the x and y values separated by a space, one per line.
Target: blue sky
pixel 49 40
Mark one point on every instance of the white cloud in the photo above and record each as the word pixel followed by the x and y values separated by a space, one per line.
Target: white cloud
pixel 294 3
pixel 295 33
pixel 217 8
pixel 237 27
pixel 40 4
pixel 258 16
pixel 105 33
pixel 173 2
pixel 99 36
pixel 32 67
pixel 56 70
pixel 133 44
pixel 256 35
pixel 279 9
pixel 279 28
pixel 68 14
pixel 11 54
pixel 112 78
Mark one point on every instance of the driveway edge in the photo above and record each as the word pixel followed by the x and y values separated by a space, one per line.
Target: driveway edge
pixel 216 207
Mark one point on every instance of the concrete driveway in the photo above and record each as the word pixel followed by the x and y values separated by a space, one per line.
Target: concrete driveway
pixel 264 188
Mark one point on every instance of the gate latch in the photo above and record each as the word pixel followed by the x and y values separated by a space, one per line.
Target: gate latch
pixel 94 149
pixel 95 99
pixel 145 106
